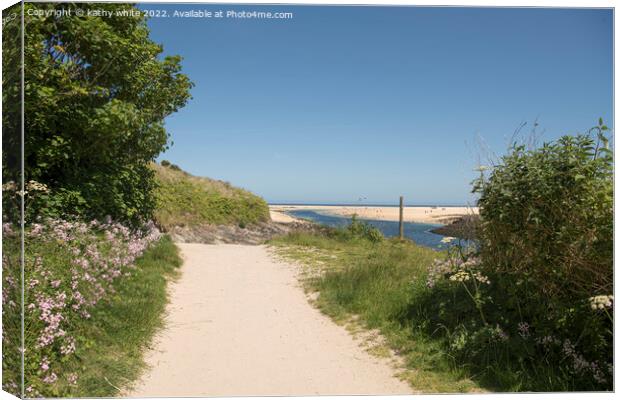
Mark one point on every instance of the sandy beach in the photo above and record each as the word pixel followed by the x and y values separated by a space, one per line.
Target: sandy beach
pixel 436 215
pixel 239 324
pixel 281 217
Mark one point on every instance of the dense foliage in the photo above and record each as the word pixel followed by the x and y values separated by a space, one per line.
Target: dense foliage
pixel 74 274
pixel 548 214
pixel 11 94
pixel 531 308
pixel 97 92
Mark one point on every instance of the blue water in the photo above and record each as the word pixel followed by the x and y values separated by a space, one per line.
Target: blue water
pixel 418 232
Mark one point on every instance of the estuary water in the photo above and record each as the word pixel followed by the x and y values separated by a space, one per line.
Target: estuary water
pixel 418 232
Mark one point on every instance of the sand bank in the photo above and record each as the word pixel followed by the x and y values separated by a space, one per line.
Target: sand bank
pixel 281 217
pixel 437 215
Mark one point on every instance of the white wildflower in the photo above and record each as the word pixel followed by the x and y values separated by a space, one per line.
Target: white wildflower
pixel 37 186
pixel 601 302
pixel 481 278
pixel 460 276
pixel 9 186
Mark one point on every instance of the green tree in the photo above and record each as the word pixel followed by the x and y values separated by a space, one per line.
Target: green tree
pixel 11 94
pixel 96 95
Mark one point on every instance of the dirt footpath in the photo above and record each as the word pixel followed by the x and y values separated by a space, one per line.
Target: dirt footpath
pixel 238 324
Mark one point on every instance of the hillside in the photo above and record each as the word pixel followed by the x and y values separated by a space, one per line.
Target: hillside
pixel 186 201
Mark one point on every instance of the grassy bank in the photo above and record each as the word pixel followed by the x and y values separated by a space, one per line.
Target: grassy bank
pixel 376 281
pixel 95 295
pixel 186 200
pixel 121 331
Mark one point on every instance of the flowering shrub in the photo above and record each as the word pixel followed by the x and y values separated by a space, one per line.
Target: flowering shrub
pixel 531 308
pixel 547 214
pixel 494 321
pixel 70 268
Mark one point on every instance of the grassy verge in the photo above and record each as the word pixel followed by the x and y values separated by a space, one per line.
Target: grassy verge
pixel 377 281
pixel 186 200
pixel 95 295
pixel 119 332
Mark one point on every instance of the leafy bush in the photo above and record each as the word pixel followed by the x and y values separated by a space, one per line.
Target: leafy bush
pixel 96 94
pixel 531 307
pixel 363 230
pixel 548 214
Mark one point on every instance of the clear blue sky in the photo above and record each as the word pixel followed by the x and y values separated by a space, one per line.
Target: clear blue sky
pixel 343 103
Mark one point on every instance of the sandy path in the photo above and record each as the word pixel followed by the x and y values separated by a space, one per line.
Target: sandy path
pixel 239 325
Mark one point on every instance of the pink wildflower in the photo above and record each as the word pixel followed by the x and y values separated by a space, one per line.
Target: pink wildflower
pixel 51 378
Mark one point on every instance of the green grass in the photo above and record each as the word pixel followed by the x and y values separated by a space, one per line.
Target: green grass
pixel 110 344
pixel 186 200
pixel 376 283
pixel 120 330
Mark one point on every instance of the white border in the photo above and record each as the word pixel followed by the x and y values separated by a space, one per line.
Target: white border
pixel 466 3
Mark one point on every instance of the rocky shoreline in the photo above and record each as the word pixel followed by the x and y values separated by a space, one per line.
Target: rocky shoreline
pixel 464 228
pixel 233 234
